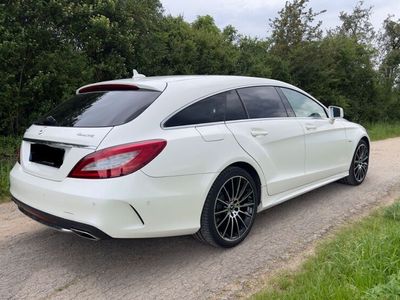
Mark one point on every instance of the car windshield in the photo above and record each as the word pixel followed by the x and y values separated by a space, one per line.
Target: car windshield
pixel 100 109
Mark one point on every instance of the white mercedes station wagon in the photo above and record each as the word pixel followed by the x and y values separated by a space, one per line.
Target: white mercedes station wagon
pixel 166 156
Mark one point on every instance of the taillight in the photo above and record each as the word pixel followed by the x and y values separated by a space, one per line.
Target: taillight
pixel 117 161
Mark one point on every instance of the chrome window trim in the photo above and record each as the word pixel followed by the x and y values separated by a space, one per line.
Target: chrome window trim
pixel 213 94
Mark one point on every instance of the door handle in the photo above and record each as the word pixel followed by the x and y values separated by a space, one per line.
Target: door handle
pixel 310 127
pixel 258 132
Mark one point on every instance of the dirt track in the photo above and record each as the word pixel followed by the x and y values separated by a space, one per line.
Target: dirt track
pixel 37 262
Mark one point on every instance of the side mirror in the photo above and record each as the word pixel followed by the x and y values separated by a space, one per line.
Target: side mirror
pixel 335 112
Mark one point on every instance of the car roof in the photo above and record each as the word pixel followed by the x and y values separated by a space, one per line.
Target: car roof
pixel 181 90
pixel 159 83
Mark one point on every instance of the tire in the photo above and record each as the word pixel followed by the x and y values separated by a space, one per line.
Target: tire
pixel 230 209
pixel 359 165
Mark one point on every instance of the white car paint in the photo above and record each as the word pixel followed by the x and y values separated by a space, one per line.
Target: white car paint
pixel 164 198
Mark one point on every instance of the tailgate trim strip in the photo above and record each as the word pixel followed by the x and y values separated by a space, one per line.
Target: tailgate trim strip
pixel 60 144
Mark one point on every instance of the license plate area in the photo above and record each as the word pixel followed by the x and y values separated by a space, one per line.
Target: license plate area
pixel 47 155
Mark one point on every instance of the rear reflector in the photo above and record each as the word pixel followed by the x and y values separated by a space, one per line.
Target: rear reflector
pixel 117 161
pixel 107 88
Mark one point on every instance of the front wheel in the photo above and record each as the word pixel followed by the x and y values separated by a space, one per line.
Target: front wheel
pixel 230 209
pixel 359 165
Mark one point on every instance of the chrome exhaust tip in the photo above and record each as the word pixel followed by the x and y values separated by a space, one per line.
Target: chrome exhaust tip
pixel 84 234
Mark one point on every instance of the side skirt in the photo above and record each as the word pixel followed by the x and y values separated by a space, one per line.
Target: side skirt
pixel 269 201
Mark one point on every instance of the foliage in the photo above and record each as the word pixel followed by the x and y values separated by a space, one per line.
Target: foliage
pixel 360 262
pixel 294 25
pixel 390 44
pixel 8 157
pixel 380 131
pixel 357 25
pixel 50 48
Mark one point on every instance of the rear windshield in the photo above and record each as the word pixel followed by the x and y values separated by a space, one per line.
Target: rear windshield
pixel 100 109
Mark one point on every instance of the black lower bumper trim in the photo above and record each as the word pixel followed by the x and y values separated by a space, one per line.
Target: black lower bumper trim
pixel 57 222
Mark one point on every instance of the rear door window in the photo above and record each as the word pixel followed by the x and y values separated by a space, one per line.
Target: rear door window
pixel 234 107
pixel 262 102
pixel 217 108
pixel 100 109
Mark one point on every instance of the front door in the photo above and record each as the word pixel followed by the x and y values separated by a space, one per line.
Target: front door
pixel 325 139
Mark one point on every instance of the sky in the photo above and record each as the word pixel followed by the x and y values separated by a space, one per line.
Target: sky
pixel 251 17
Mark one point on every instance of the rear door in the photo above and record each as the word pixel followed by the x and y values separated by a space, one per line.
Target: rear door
pixel 54 144
pixel 271 137
pixel 325 140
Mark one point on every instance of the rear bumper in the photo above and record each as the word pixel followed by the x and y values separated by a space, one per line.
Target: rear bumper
pixel 132 206
pixel 83 230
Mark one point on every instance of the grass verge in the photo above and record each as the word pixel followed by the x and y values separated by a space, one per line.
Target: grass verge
pixel 361 262
pixel 8 156
pixel 381 131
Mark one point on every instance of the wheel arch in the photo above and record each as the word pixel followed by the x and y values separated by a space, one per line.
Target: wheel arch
pixel 253 173
pixel 366 139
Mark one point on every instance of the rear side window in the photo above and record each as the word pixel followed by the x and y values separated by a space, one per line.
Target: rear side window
pixel 302 105
pixel 100 109
pixel 262 102
pixel 217 108
pixel 234 107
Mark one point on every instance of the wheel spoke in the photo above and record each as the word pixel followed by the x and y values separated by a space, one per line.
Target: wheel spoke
pixel 221 211
pixel 247 205
pixel 243 190
pixel 233 189
pixel 238 188
pixel 357 173
pixel 227 194
pixel 245 197
pixel 240 218
pixel 237 226
pixel 226 228
pixel 227 215
pixel 222 201
pixel 232 229
pixel 245 213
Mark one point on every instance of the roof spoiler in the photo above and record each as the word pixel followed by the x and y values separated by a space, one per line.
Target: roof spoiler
pixel 123 85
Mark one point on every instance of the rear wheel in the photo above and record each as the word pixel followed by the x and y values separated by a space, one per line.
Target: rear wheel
pixel 359 165
pixel 230 209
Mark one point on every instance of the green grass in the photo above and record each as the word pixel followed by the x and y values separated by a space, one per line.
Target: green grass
pixel 381 131
pixel 361 262
pixel 8 157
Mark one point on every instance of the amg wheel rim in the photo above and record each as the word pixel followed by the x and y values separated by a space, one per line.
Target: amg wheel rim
pixel 234 208
pixel 361 162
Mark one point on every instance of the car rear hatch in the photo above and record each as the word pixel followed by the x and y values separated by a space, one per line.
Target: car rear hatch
pixel 51 152
pixel 58 141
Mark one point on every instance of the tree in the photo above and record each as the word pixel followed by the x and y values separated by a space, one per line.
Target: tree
pixel 294 25
pixel 173 49
pixel 390 44
pixel 390 66
pixel 253 59
pixel 215 53
pixel 49 48
pixel 357 25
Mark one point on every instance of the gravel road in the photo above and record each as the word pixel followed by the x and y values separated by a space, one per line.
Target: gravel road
pixel 37 262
